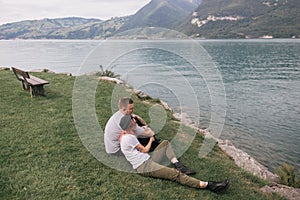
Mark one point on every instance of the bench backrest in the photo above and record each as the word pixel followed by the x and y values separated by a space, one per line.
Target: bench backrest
pixel 20 74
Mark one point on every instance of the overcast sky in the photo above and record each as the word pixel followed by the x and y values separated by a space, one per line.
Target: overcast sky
pixel 18 10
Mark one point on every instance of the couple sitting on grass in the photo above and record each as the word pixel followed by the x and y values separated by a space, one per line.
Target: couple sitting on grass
pixel 121 138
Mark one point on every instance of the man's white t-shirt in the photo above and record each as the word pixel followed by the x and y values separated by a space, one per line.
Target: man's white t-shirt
pixel 135 157
pixel 112 132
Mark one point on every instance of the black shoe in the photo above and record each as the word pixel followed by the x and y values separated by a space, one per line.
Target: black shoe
pixel 183 169
pixel 218 187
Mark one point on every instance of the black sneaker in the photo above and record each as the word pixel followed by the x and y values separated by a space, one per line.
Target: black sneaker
pixel 183 169
pixel 218 187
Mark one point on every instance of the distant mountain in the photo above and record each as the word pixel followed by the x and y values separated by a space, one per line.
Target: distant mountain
pixel 61 28
pixel 150 33
pixel 244 19
pixel 195 18
pixel 161 13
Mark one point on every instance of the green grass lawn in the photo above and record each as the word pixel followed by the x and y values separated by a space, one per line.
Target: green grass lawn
pixel 42 156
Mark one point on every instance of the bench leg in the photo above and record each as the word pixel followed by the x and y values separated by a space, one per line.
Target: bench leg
pixel 25 85
pixel 37 90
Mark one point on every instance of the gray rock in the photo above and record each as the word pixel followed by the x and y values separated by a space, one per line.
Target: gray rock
pixel 283 190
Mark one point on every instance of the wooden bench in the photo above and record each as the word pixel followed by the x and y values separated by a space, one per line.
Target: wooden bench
pixel 34 84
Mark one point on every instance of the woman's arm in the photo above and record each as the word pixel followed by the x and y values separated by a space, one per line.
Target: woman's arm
pixel 148 132
pixel 145 149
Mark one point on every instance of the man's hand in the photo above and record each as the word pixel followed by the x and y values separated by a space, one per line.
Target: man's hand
pixel 140 121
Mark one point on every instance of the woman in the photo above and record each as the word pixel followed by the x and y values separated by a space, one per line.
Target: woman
pixel 147 165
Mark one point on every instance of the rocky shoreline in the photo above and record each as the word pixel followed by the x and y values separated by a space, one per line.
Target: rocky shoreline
pixel 246 162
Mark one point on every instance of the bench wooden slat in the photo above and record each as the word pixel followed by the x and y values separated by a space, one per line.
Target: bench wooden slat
pixel 36 81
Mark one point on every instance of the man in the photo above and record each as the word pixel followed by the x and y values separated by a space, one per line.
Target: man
pixel 149 166
pixel 113 130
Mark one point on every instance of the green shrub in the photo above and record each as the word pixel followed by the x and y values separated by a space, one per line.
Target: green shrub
pixel 287 175
pixel 107 73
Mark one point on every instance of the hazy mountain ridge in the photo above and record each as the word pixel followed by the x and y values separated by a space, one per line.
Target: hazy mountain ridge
pixel 61 28
pixel 157 13
pixel 195 18
pixel 161 13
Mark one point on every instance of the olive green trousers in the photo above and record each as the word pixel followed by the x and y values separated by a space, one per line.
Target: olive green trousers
pixel 152 168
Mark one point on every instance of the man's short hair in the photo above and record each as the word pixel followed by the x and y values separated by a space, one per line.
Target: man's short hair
pixel 123 103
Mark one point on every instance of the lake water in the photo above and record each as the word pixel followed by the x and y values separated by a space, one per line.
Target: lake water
pixel 252 86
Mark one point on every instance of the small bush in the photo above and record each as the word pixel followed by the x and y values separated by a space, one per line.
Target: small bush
pixel 287 175
pixel 107 73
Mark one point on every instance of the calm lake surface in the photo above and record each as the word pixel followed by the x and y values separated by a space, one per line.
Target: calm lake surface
pixel 256 82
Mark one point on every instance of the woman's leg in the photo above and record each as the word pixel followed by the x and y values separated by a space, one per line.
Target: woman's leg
pixel 153 169
pixel 163 150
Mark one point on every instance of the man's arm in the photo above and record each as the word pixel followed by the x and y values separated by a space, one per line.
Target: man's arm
pixel 145 149
pixel 139 120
